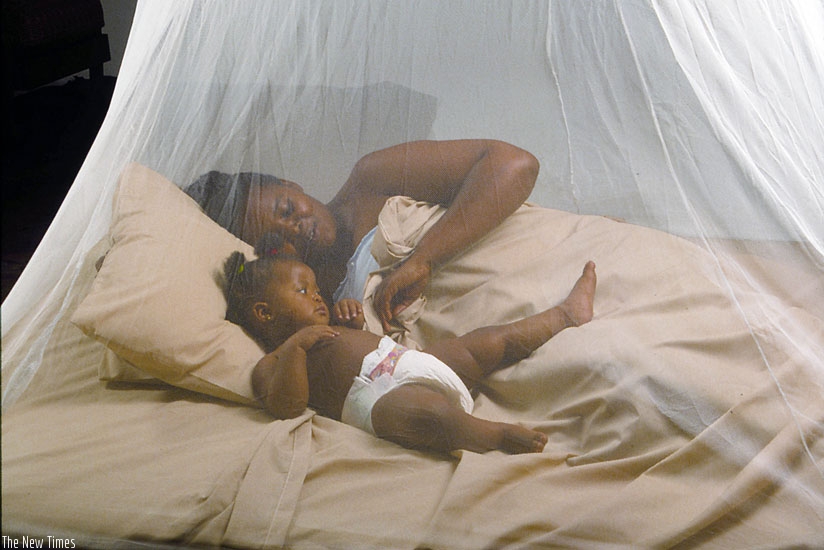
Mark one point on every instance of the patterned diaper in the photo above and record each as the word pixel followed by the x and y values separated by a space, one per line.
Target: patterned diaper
pixel 392 365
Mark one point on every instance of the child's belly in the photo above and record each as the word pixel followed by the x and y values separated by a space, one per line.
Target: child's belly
pixel 332 366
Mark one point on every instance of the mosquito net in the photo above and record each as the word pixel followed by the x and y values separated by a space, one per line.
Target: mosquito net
pixel 697 121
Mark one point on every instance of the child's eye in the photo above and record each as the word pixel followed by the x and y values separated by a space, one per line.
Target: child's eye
pixel 302 290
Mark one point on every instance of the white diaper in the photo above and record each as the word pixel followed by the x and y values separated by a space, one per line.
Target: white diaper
pixel 392 365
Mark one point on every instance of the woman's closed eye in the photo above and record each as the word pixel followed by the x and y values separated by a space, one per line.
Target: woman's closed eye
pixel 284 209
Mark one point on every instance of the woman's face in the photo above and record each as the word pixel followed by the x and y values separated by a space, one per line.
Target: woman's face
pixel 304 222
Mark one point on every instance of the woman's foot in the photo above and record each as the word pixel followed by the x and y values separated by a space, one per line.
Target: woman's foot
pixel 577 308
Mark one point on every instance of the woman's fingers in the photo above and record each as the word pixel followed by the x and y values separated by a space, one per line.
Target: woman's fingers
pixel 399 290
pixel 382 300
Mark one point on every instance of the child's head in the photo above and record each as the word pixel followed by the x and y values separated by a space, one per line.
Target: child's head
pixel 274 296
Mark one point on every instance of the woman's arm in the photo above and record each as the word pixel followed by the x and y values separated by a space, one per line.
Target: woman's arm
pixel 279 380
pixel 480 181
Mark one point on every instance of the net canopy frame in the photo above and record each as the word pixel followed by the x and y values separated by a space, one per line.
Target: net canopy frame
pixel 700 119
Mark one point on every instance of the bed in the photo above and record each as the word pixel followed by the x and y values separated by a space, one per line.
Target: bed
pixel 647 409
pixel 687 414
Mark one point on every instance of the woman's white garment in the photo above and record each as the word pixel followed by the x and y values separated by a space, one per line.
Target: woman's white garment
pixel 358 268
pixel 392 365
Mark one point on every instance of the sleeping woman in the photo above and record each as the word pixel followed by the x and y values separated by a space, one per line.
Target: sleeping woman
pixel 481 182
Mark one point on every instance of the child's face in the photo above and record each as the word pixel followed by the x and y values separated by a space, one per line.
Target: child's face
pixel 295 298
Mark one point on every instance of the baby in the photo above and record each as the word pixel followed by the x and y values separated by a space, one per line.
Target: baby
pixel 418 399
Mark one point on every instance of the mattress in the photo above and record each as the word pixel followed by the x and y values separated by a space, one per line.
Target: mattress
pixel 681 416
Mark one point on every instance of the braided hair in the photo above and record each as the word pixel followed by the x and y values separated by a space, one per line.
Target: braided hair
pixel 246 280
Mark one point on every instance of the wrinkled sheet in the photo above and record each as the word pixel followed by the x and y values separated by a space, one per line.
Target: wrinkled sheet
pixel 667 421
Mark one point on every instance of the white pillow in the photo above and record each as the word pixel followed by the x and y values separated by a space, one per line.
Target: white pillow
pixel 157 300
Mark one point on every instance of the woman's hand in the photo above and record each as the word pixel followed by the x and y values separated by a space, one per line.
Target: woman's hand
pixel 399 289
pixel 481 182
pixel 348 313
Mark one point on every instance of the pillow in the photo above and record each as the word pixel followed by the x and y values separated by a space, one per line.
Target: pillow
pixel 157 301
pixel 113 368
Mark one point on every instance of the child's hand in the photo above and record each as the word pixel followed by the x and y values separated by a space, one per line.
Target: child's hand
pixel 348 313
pixel 307 337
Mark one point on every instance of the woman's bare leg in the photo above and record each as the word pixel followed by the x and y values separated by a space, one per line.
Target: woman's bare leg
pixel 485 350
pixel 418 417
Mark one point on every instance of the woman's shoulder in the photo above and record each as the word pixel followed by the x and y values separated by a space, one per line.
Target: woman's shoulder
pixel 356 209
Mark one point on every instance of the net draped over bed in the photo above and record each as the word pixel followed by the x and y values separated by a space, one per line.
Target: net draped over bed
pixel 700 120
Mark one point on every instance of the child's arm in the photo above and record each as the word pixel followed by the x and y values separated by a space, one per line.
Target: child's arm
pixel 279 380
pixel 348 313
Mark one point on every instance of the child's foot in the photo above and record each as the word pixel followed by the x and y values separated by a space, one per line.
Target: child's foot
pixel 480 436
pixel 517 439
pixel 577 308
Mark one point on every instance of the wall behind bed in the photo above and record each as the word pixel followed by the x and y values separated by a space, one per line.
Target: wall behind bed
pixel 118 15
pixel 625 104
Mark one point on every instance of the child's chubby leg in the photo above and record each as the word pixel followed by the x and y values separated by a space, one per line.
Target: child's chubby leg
pixel 418 417
pixel 487 349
